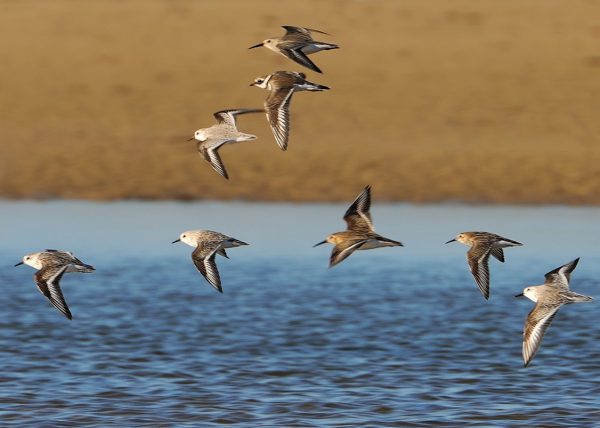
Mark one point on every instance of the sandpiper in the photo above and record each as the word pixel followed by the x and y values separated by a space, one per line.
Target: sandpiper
pixel 281 85
pixel 223 132
pixel 360 233
pixel 208 244
pixel 51 265
pixel 482 245
pixel 296 44
pixel 548 298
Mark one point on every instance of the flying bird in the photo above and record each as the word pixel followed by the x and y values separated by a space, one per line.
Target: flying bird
pixel 548 298
pixel 52 265
pixel 207 245
pixel 225 131
pixel 483 244
pixel 281 86
pixel 296 44
pixel 360 233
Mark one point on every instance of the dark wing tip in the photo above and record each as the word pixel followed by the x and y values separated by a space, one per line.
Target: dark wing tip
pixel 485 289
pixel 333 259
pixel 301 58
pixel 296 28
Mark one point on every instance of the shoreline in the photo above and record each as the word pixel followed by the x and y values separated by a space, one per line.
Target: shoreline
pixel 441 204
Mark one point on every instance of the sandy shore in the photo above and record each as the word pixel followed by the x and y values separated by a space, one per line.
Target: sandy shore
pixel 477 101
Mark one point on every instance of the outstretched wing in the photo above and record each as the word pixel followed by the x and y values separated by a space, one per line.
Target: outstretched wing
pixel 209 151
pixel 278 113
pixel 342 250
pixel 357 216
pixel 477 258
pixel 291 30
pixel 228 116
pixel 47 280
pixel 561 276
pixel 204 260
pixel 537 323
pixel 294 52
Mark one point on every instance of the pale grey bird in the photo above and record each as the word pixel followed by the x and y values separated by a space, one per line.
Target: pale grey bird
pixel 360 234
pixel 52 265
pixel 483 244
pixel 296 44
pixel 548 298
pixel 281 86
pixel 208 244
pixel 223 132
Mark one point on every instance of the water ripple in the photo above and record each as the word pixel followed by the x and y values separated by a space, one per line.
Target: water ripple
pixel 373 342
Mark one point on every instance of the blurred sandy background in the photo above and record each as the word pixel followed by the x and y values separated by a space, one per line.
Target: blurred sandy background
pixel 431 100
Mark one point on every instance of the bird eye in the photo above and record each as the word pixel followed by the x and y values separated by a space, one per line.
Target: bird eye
pixel 183 236
pixel 259 81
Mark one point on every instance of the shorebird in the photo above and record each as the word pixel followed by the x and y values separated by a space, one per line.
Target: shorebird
pixel 208 244
pixel 52 265
pixel 223 132
pixel 482 245
pixel 296 44
pixel 281 85
pixel 548 298
pixel 360 233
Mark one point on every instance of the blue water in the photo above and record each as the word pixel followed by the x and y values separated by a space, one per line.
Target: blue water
pixel 390 337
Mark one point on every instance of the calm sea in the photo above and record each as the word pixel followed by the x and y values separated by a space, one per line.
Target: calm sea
pixel 390 337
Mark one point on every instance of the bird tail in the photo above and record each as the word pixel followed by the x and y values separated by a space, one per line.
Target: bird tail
pixel 82 268
pixel 235 242
pixel 390 242
pixel 577 298
pixel 315 87
pixel 326 46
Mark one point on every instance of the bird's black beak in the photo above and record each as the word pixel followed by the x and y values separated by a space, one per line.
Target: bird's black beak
pixel 452 240
pixel 256 46
pixel 252 84
pixel 520 295
pixel 19 264
pixel 175 241
pixel 190 139
pixel 320 243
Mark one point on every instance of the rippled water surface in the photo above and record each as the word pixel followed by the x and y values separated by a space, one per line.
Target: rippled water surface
pixel 390 337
